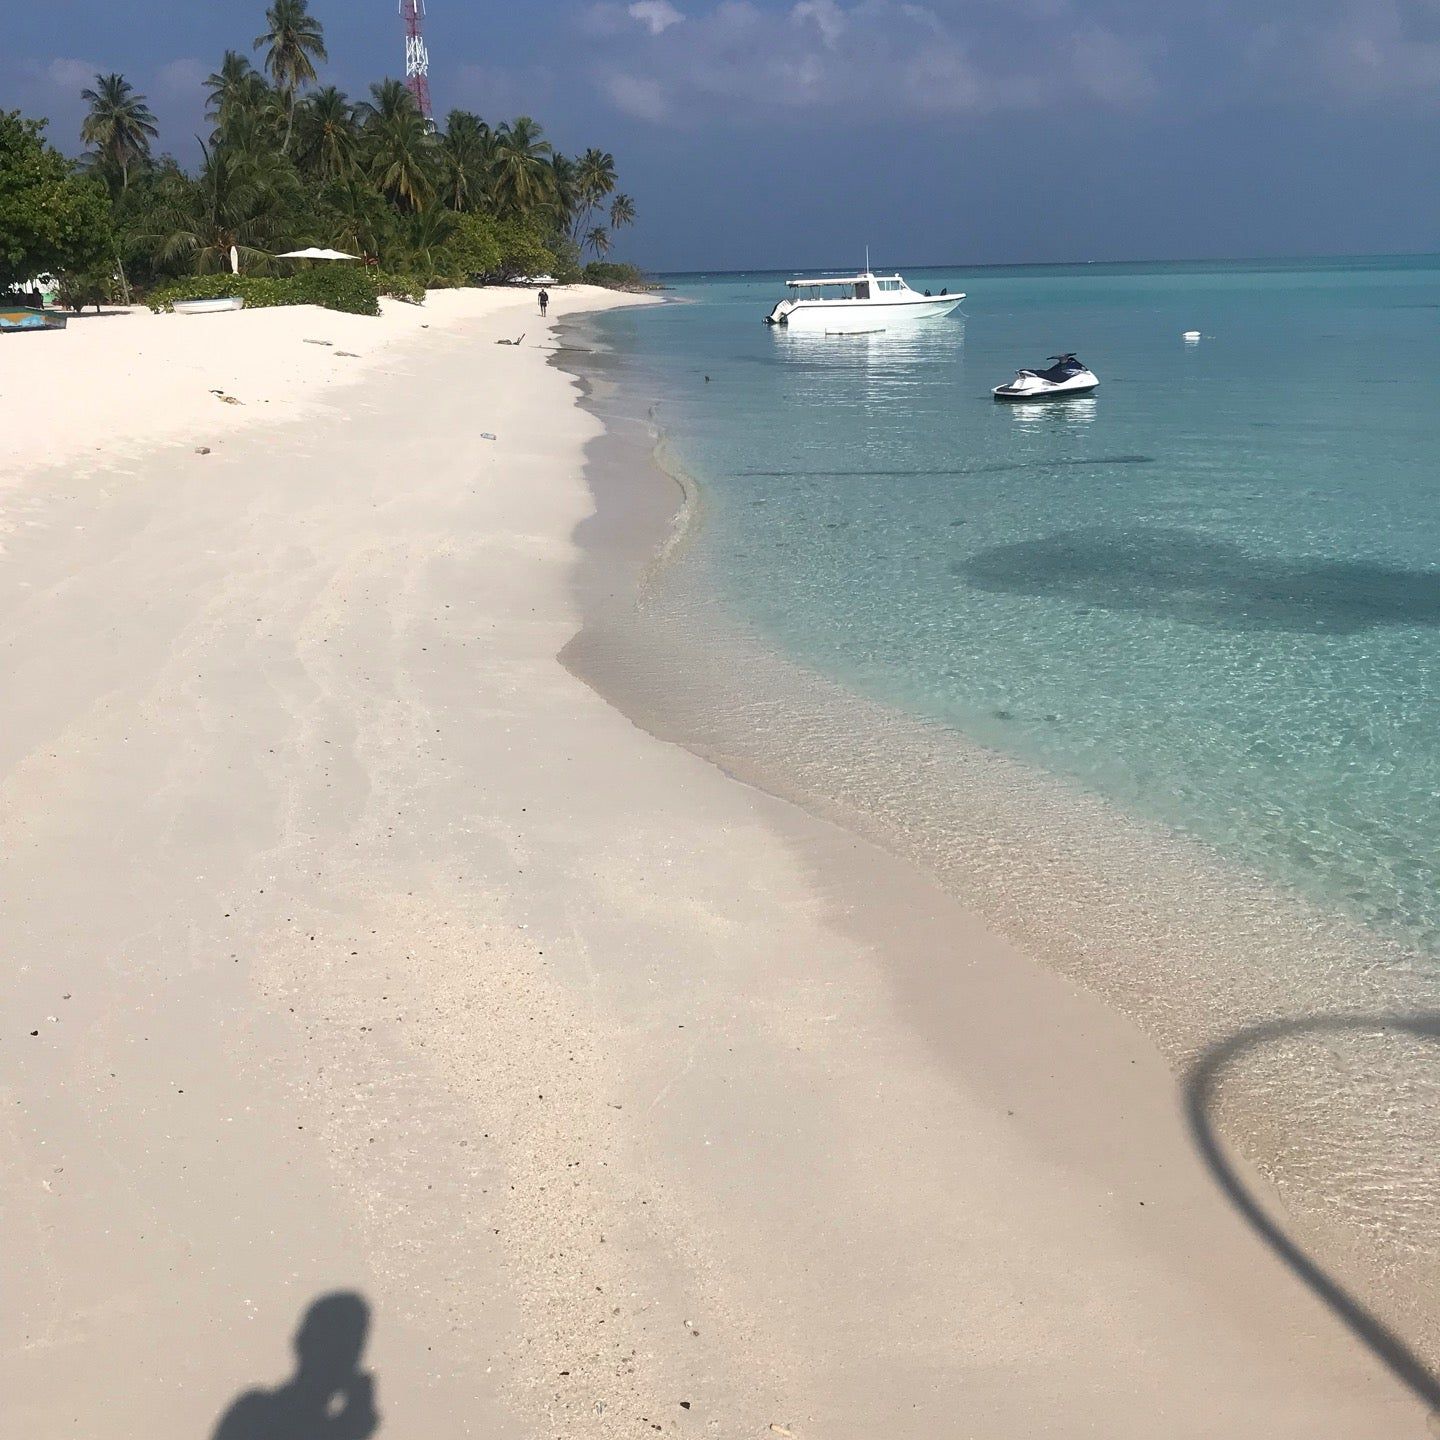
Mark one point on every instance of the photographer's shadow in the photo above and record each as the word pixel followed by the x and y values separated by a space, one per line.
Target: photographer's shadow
pixel 329 1397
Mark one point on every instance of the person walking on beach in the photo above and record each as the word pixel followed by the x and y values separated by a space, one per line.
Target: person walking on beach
pixel 544 301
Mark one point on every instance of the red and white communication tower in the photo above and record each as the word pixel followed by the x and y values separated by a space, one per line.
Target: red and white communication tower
pixel 417 57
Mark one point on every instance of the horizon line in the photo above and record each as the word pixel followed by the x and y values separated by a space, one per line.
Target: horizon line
pixel 1054 264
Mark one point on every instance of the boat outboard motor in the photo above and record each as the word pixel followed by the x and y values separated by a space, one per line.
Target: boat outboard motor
pixel 780 313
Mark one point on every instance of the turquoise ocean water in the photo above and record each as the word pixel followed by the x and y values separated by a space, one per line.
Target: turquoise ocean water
pixel 1210 594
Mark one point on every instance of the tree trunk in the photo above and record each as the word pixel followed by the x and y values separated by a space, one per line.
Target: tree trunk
pixel 289 123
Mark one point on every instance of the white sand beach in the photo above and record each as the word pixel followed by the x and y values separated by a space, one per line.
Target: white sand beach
pixel 351 943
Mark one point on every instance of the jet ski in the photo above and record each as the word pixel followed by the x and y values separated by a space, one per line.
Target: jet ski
pixel 1063 376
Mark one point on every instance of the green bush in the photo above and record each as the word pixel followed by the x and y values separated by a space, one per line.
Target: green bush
pixel 50 219
pixel 257 291
pixel 615 276
pixel 336 287
pixel 79 288
pixel 483 248
pixel 567 268
pixel 399 287
pixel 473 247
pixel 522 251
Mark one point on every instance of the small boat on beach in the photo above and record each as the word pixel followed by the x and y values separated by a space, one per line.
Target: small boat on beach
pixel 16 318
pixel 856 304
pixel 208 307
pixel 1064 376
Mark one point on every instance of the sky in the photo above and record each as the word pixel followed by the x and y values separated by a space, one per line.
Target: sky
pixel 791 133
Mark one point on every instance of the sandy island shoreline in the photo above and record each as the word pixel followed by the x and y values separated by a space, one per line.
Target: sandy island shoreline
pixel 369 949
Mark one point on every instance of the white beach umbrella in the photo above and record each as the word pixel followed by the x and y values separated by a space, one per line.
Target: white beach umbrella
pixel 314 252
pixel 234 260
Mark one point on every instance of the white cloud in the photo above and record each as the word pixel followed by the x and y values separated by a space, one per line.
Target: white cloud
pixel 1113 69
pixel 826 16
pixel 70 77
pixel 656 15
pixel 636 95
pixel 879 58
pixel 181 78
pixel 1378 48
pixel 887 60
pixel 1364 50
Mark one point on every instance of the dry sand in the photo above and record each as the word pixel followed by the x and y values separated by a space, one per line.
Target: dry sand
pixel 120 383
pixel 366 948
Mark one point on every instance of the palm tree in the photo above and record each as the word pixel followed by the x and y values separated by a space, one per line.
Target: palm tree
pixel 598 240
pixel 469 146
pixel 252 130
pixel 120 125
pixel 524 180
pixel 402 151
pixel 246 111
pixel 595 179
pixel 597 173
pixel 622 212
pixel 355 216
pixel 236 200
pixel 422 240
pixel 387 99
pixel 229 85
pixel 295 40
pixel 564 191
pixel 328 136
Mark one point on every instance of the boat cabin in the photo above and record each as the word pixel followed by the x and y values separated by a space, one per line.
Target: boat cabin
pixel 850 287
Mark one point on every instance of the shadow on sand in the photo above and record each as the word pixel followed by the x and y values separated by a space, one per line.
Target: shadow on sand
pixel 328 1397
pixel 1200 1086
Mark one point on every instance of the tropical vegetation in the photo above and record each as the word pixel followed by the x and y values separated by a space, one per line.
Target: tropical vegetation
pixel 291 161
pixel 51 219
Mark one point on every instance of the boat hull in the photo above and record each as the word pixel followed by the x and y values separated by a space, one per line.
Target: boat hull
pixel 852 317
pixel 208 307
pixel 1058 392
pixel 1038 384
pixel 17 318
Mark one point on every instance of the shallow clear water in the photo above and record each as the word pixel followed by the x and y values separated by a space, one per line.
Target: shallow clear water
pixel 1210 594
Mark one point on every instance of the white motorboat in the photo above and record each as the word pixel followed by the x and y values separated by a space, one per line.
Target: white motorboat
pixel 1064 376
pixel 857 304
pixel 208 307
